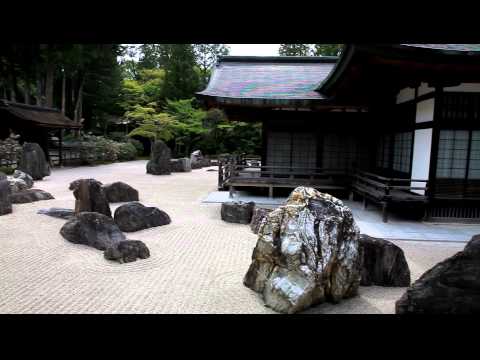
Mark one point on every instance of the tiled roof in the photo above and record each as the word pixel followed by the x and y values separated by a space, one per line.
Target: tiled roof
pixel 40 116
pixel 448 47
pixel 272 78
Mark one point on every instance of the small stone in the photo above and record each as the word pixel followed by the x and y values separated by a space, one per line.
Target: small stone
pixel 135 216
pixel 60 213
pixel 237 212
pixel 120 192
pixel 181 165
pixel 127 251
pixel 30 195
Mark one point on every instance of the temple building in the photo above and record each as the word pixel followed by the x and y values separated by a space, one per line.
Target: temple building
pixel 396 125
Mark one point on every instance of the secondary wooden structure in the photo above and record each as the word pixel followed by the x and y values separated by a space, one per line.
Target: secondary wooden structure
pixel 396 124
pixel 34 124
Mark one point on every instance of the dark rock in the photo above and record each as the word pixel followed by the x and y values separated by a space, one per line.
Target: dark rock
pixel 33 161
pixel 5 193
pixel 30 195
pixel 450 287
pixel 383 263
pixel 237 212
pixel 259 214
pixel 127 251
pixel 306 253
pixel 60 213
pixel 120 192
pixel 17 174
pixel 90 197
pixel 135 216
pixel 159 163
pixel 92 229
pixel 181 165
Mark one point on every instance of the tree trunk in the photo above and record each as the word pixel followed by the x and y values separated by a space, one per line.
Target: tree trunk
pixel 77 114
pixel 38 96
pixel 64 90
pixel 26 92
pixel 49 83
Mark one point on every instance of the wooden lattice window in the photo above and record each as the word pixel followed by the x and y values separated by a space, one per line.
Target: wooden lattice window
pixel 402 151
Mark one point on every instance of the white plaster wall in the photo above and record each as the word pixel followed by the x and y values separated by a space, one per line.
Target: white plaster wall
pixel 422 145
pixel 405 94
pixel 425 111
pixel 425 89
pixel 464 87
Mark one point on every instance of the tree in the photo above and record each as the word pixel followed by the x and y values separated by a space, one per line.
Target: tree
pixel 151 56
pixel 294 50
pixel 181 79
pixel 327 49
pixel 152 125
pixel 206 56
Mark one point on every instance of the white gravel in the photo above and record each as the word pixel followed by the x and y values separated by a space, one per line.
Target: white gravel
pixel 197 262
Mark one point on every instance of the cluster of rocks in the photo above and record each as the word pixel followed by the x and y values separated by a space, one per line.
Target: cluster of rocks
pixel 10 149
pixel 91 222
pixel 310 250
pixel 161 163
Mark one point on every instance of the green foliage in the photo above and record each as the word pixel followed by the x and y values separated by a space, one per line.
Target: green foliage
pixel 294 49
pixel 138 145
pixel 206 56
pixel 154 126
pixel 97 150
pixel 118 136
pixel 7 170
pixel 127 151
pixel 181 79
pixel 327 49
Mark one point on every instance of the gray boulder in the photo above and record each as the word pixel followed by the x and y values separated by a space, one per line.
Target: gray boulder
pixel 307 253
pixel 92 229
pixel 90 197
pixel 33 161
pixel 5 193
pixel 196 158
pixel 127 251
pixel 159 163
pixel 450 287
pixel 181 165
pixel 17 174
pixel 259 214
pixel 135 216
pixel 30 195
pixel 17 185
pixel 60 213
pixel 237 212
pixel 120 192
pixel 383 263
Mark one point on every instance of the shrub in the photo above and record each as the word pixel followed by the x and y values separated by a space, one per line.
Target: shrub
pixel 138 145
pixel 97 149
pixel 117 136
pixel 127 151
pixel 7 170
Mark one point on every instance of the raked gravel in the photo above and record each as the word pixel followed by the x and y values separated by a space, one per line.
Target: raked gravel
pixel 197 262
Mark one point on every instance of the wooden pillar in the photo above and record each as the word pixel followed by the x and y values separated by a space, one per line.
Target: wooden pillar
pixel 231 191
pixel 384 211
pixel 270 192
pixel 60 148
pixel 365 202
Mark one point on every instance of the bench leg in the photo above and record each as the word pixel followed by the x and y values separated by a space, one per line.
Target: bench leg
pixel 270 192
pixel 385 212
pixel 231 191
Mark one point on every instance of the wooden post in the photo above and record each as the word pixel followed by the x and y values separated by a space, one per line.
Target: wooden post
pixel 270 192
pixel 365 202
pixel 60 148
pixel 231 191
pixel 220 176
pixel 384 211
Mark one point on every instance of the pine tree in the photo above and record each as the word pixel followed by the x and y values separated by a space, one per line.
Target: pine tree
pixel 327 49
